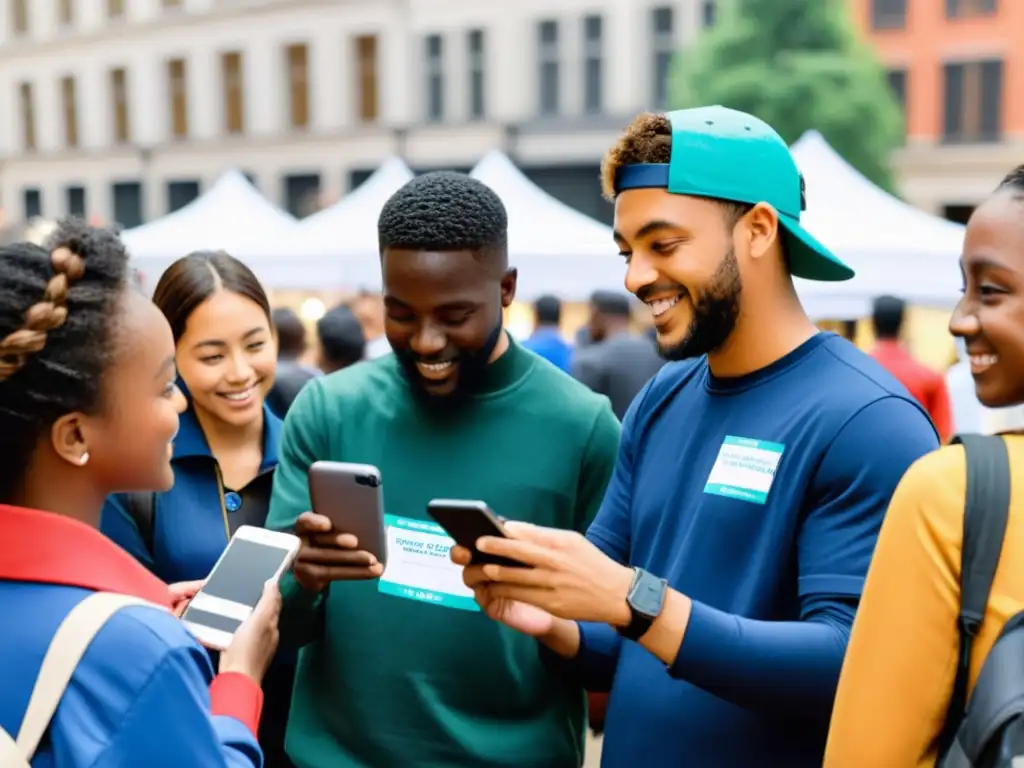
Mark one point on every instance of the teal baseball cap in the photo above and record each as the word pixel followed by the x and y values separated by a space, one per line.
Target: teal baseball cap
pixel 729 155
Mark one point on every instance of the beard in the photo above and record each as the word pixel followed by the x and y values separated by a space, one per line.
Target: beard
pixel 471 365
pixel 714 314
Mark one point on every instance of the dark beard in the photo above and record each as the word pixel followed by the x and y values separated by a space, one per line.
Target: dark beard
pixel 714 316
pixel 472 369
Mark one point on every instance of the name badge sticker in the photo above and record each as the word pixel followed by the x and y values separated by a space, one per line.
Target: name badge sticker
pixel 745 469
pixel 419 567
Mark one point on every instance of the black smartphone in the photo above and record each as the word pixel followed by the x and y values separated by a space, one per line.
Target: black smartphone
pixel 466 521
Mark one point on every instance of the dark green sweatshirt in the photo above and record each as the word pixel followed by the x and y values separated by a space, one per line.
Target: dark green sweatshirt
pixel 406 672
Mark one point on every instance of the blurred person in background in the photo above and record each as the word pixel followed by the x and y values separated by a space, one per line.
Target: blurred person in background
pixel 927 386
pixel 341 339
pixel 399 668
pixel 546 339
pixel 368 307
pixel 623 361
pixel 89 407
pixel 226 448
pixel 292 373
pixel 898 678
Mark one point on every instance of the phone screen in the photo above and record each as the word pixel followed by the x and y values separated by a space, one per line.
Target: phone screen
pixel 235 585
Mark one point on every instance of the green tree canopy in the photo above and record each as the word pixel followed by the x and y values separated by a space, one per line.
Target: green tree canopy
pixel 797 65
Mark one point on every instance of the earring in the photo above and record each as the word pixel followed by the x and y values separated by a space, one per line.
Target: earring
pixel 83 459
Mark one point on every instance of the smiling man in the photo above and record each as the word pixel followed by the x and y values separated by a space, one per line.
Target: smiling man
pixel 724 568
pixel 404 670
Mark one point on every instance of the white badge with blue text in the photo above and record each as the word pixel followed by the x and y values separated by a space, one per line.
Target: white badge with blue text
pixel 745 469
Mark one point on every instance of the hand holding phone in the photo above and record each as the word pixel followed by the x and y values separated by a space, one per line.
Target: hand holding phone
pixel 350 496
pixel 466 521
pixel 237 582
pixel 327 555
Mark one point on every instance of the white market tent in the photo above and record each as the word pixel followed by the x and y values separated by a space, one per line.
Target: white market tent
pixel 556 248
pixel 343 237
pixel 231 216
pixel 893 247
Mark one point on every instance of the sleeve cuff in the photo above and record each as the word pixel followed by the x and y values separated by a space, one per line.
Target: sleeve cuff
pixel 235 695
pixel 830 584
pixel 702 639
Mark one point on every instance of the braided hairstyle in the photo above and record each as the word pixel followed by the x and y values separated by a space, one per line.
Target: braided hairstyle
pixel 58 307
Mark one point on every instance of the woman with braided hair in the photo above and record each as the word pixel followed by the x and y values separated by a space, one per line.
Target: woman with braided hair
pixel 88 407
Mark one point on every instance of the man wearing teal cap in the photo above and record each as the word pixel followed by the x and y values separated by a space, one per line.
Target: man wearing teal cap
pixel 714 592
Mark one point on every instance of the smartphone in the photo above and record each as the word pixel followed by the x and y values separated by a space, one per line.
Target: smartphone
pixel 466 521
pixel 350 496
pixel 253 557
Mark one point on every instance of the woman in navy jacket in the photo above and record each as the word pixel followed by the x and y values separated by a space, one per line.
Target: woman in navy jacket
pixel 226 450
pixel 88 406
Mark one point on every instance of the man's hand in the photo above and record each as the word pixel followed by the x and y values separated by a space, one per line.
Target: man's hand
pixel 519 616
pixel 182 594
pixel 328 555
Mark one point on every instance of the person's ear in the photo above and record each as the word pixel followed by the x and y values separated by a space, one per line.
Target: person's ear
pixel 68 439
pixel 508 287
pixel 761 230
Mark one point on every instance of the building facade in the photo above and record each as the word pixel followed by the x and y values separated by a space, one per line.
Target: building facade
pixel 124 110
pixel 953 65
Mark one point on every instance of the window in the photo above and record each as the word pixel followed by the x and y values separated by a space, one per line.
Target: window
pixel 180 194
pixel 69 103
pixel 74 201
pixel 434 54
pixel 233 85
pixel 366 71
pixel 709 13
pixel 897 79
pixel 965 9
pixel 302 194
pixel 19 17
pixel 298 85
pixel 973 94
pixel 477 74
pixel 663 45
pixel 115 9
pixel 888 14
pixel 66 13
pixel 593 65
pixel 119 103
pixel 127 203
pixel 549 66
pixel 177 88
pixel 33 201
pixel 28 117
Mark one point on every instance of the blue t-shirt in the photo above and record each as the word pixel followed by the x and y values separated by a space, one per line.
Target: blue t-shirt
pixel 760 498
pixel 549 344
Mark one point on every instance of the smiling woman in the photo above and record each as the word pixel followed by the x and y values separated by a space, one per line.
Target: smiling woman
pixel 226 450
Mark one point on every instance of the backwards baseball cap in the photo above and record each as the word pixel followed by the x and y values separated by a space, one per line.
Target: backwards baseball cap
pixel 729 155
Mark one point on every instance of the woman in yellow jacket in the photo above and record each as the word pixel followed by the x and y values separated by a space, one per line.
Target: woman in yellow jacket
pixel 897 679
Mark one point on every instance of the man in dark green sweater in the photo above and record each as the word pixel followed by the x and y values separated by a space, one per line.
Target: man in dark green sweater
pixel 404 671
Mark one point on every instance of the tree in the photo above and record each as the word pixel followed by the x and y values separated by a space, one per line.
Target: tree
pixel 797 65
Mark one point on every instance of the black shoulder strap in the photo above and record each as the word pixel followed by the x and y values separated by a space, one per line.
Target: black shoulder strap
pixel 986 508
pixel 142 509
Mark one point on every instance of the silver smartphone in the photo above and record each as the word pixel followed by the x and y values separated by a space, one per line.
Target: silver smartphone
pixel 350 496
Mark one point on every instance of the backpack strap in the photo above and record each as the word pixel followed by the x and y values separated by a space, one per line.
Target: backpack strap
pixel 986 509
pixel 69 644
pixel 141 507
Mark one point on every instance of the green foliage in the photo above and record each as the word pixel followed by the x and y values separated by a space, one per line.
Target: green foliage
pixel 797 65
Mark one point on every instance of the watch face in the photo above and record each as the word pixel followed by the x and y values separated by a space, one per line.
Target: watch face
pixel 648 595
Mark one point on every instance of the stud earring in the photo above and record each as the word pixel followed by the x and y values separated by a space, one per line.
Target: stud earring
pixel 83 459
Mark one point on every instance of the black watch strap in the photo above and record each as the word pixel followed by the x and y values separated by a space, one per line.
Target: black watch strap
pixel 646 598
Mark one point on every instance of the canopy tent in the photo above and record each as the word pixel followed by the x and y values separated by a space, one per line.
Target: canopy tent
pixel 231 216
pixel 343 237
pixel 556 248
pixel 893 247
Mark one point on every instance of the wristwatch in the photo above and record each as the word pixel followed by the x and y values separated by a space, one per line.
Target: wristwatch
pixel 646 598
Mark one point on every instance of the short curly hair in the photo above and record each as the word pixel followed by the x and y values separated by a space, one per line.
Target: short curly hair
pixel 445 211
pixel 1014 182
pixel 648 139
